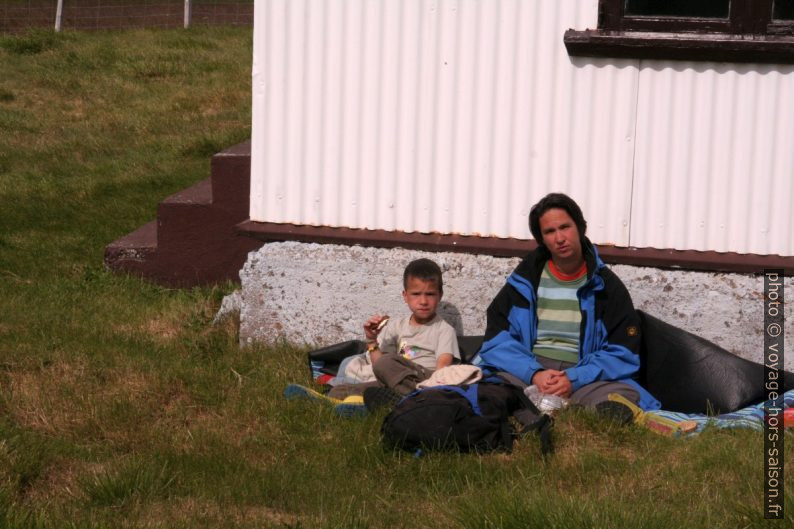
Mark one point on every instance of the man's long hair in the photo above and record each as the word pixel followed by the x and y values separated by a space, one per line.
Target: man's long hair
pixel 559 201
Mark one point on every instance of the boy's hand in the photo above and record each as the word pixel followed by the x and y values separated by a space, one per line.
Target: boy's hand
pixel 444 360
pixel 374 325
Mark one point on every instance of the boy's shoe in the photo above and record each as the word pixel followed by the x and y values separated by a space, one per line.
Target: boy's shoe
pixel 352 406
pixel 296 391
pixel 616 412
pixel 375 398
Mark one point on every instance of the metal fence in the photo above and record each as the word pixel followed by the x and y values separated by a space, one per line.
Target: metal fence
pixel 21 15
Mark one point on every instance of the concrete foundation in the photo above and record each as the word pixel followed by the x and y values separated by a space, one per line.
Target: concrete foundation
pixel 321 294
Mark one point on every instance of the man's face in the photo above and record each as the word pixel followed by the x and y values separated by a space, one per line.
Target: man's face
pixel 561 236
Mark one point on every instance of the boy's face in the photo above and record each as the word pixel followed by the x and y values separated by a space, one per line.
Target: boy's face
pixel 422 298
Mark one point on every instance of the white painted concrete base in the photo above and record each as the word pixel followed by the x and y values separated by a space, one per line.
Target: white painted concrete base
pixel 321 294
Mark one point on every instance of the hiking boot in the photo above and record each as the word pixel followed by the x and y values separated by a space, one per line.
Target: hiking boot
pixel 615 412
pixel 375 398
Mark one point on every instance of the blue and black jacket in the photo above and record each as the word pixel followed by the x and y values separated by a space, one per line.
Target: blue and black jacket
pixel 609 338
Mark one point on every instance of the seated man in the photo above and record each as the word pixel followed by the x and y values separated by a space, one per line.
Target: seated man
pixel 565 322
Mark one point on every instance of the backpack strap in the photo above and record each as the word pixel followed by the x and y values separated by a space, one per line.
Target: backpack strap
pixel 530 417
pixel 533 420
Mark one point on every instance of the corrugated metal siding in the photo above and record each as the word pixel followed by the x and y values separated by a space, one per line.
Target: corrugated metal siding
pixel 435 116
pixel 715 158
pixel 455 116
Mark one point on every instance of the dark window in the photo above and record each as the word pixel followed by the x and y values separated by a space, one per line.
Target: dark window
pixel 712 30
pixel 678 8
pixel 736 17
pixel 784 10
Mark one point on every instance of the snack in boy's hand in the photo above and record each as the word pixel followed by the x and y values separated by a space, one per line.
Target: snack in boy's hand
pixel 374 325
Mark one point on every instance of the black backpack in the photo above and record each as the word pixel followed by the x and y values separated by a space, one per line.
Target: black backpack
pixel 473 418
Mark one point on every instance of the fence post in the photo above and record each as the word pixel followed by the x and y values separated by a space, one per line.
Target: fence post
pixel 187 14
pixel 58 15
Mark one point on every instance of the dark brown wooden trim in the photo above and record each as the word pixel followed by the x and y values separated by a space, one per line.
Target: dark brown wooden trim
pixel 436 242
pixel 680 46
pixel 780 28
pixel 697 260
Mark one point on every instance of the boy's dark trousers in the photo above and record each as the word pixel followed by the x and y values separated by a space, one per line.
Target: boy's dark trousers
pixel 392 371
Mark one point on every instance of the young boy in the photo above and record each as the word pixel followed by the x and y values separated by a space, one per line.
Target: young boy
pixel 405 351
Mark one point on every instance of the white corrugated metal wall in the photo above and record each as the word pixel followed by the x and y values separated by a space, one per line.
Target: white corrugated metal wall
pixel 454 116
pixel 714 168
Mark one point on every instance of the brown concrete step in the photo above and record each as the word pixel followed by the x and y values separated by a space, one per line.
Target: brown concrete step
pixel 194 241
pixel 231 177
pixel 197 194
pixel 137 246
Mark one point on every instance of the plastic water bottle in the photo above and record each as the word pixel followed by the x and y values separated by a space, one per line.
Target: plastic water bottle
pixel 545 403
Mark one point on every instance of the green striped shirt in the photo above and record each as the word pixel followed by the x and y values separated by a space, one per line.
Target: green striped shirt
pixel 559 317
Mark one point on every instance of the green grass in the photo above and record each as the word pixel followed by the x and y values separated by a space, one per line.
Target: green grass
pixel 122 406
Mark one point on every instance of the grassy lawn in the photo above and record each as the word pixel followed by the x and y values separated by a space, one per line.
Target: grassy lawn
pixel 122 406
